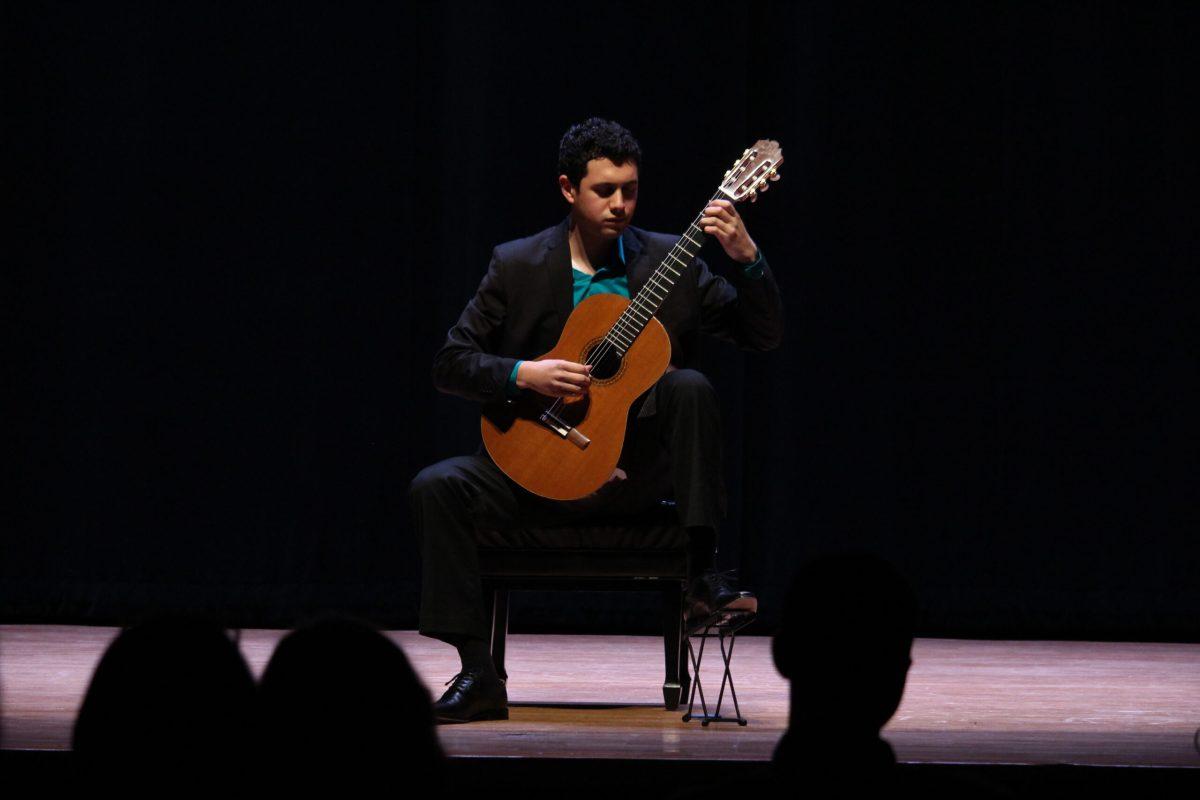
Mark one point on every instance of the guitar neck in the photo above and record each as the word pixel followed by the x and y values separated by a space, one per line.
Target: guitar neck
pixel 749 175
pixel 651 296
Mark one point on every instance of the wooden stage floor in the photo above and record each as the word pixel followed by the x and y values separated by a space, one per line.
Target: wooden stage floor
pixel 973 702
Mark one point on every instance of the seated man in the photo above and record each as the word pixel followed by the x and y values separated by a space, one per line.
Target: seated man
pixel 673 449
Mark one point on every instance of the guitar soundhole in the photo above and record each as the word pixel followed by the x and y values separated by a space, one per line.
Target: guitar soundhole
pixel 606 363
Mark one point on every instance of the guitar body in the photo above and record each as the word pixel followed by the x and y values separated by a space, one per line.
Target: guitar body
pixel 559 467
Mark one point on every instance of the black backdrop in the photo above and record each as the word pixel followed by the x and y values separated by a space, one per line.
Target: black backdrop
pixel 241 235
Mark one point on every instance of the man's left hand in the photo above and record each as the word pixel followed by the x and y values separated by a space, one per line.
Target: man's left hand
pixel 722 220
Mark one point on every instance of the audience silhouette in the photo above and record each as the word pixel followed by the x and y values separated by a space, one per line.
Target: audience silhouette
pixel 169 698
pixel 844 646
pixel 339 700
pixel 172 706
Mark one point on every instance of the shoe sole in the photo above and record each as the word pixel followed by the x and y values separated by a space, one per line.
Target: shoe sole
pixel 498 713
pixel 744 603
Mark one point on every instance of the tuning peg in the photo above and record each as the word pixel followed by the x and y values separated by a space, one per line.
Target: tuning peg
pixel 773 175
pixel 762 185
pixel 727 172
pixel 753 196
pixel 746 152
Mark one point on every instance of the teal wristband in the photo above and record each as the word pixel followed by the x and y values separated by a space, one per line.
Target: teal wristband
pixel 754 269
pixel 510 388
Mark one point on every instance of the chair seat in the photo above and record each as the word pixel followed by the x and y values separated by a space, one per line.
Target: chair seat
pixel 589 551
pixel 628 536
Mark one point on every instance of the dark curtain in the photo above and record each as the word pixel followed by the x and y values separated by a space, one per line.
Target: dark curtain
pixel 241 234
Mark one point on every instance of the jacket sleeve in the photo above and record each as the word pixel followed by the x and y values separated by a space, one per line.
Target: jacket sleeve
pixel 466 366
pixel 747 311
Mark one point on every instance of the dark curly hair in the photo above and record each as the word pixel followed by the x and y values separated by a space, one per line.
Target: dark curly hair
pixel 595 138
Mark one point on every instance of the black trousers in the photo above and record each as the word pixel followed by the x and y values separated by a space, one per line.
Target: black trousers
pixel 673 452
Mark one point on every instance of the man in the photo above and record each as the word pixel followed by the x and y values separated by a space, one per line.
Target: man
pixel 845 647
pixel 518 313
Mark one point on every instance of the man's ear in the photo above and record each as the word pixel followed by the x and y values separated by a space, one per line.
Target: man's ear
pixel 568 191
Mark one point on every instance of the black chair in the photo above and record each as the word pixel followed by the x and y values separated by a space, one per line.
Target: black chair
pixel 648 553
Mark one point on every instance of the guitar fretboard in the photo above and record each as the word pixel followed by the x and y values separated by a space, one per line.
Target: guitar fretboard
pixel 651 296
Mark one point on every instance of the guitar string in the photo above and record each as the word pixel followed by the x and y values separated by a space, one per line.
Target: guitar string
pixel 757 173
pixel 602 350
pixel 624 324
pixel 657 275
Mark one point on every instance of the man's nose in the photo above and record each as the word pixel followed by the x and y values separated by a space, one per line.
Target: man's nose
pixel 618 203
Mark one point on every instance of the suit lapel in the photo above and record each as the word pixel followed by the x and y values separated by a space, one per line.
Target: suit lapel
pixel 637 265
pixel 558 273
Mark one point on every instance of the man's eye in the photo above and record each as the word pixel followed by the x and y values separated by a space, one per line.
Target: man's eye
pixel 605 192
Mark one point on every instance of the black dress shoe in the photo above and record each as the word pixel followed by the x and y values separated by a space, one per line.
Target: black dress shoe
pixel 712 592
pixel 473 695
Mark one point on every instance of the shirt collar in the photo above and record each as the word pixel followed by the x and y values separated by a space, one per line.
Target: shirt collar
pixel 618 266
pixel 565 229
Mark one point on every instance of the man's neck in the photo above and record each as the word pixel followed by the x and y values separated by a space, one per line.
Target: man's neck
pixel 587 253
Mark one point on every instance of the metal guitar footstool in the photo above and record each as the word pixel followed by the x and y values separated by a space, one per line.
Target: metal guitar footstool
pixel 722 625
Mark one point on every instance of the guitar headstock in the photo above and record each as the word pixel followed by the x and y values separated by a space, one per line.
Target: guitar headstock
pixel 753 172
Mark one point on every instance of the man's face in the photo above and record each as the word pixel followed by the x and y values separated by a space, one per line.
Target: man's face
pixel 605 199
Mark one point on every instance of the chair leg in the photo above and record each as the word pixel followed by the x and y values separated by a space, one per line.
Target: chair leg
pixel 499 629
pixel 676 682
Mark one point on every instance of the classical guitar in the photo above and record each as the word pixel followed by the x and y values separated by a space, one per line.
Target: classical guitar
pixel 566 448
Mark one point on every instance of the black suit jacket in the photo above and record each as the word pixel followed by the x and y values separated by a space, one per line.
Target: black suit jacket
pixel 522 305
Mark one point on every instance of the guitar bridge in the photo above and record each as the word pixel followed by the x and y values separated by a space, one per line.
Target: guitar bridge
pixel 556 424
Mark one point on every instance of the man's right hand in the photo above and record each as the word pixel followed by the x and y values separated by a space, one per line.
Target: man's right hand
pixel 554 377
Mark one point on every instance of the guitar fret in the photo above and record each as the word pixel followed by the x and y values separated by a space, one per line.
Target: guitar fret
pixel 631 326
pixel 641 323
pixel 622 324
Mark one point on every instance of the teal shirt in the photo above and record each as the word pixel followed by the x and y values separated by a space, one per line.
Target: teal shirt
pixel 614 280
pixel 607 280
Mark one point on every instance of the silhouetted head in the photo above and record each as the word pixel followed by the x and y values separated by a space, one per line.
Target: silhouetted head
pixel 340 690
pixel 845 643
pixel 172 690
